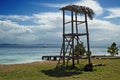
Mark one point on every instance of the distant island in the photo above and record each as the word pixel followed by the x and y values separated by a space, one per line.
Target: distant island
pixel 7 45
pixel 30 45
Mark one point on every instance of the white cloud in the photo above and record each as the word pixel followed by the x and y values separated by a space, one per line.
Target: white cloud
pixel 92 4
pixel 12 32
pixel 48 27
pixel 113 13
pixel 8 25
pixel 89 3
pixel 17 17
pixel 53 5
pixel 48 20
pixel 103 24
pixel 103 32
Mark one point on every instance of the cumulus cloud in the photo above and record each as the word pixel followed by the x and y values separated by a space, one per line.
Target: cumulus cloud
pixel 17 17
pixel 53 5
pixel 12 32
pixel 48 20
pixel 47 27
pixel 93 4
pixel 8 25
pixel 103 24
pixel 103 32
pixel 113 13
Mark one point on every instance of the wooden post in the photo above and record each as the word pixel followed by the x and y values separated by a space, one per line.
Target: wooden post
pixel 76 27
pixel 63 37
pixel 72 27
pixel 88 44
pixel 77 33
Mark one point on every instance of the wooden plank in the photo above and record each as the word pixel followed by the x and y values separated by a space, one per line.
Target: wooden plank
pixel 80 22
pixel 75 34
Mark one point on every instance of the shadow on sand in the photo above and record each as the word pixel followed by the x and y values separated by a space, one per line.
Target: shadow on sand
pixel 63 71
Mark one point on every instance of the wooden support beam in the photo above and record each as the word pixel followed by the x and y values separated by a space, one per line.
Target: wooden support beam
pixel 88 44
pixel 63 37
pixel 72 27
pixel 74 34
pixel 80 22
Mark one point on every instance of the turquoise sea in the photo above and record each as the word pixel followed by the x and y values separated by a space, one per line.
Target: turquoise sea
pixel 27 55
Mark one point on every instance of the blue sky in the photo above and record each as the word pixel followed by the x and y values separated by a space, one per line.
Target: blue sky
pixel 40 21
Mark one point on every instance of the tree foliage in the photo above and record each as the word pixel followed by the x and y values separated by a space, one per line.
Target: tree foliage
pixel 113 49
pixel 80 49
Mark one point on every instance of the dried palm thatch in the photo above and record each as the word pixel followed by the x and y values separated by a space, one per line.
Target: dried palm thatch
pixel 79 9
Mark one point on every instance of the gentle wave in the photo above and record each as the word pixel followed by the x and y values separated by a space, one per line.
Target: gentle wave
pixel 27 55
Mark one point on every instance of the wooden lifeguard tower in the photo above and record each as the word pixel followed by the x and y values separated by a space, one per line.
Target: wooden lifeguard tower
pixel 73 37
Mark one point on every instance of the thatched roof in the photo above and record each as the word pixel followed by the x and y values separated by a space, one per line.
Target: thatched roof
pixel 79 9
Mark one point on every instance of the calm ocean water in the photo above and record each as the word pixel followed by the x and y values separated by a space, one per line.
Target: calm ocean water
pixel 27 55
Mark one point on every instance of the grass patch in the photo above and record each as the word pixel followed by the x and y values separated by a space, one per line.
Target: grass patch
pixel 47 71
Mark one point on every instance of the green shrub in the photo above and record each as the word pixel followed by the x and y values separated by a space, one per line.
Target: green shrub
pixel 80 49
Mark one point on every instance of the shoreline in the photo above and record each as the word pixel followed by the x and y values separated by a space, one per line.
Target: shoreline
pixel 53 61
pixel 23 62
